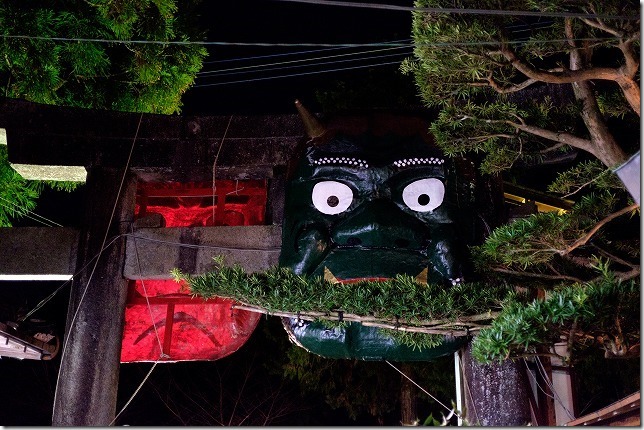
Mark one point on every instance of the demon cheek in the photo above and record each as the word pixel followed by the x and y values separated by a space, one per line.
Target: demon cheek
pixel 311 247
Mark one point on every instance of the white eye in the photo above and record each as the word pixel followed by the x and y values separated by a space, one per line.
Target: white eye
pixel 331 197
pixel 424 195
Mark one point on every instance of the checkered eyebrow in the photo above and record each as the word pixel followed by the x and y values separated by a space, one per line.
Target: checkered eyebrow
pixel 351 161
pixel 418 161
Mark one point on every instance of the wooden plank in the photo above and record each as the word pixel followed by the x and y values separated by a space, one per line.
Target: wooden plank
pixel 612 412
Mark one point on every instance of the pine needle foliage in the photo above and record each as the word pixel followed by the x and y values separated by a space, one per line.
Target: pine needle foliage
pixel 500 81
pixel 602 313
pixel 401 298
pixel 131 77
pixel 17 195
pixel 544 243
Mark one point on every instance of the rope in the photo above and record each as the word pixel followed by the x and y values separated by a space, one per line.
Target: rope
pixel 135 392
pixel 451 411
pixel 147 299
pixel 214 169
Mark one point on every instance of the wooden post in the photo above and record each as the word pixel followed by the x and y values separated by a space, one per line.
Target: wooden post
pixel 88 379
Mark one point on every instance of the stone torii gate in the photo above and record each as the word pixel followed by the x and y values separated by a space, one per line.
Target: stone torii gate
pixel 46 142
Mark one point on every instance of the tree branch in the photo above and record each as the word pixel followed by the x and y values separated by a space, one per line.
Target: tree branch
pixel 516 87
pixel 585 238
pixel 602 26
pixel 538 275
pixel 615 258
pixel 563 77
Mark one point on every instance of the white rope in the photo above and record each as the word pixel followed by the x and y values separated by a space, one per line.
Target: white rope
pixel 214 168
pixel 147 300
pixel 38 218
pixel 135 392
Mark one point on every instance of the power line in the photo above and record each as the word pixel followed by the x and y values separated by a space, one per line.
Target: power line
pixel 460 11
pixel 302 60
pixel 296 74
pixel 284 54
pixel 294 44
pixel 321 63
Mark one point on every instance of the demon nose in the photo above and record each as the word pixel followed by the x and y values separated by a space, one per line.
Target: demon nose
pixel 380 224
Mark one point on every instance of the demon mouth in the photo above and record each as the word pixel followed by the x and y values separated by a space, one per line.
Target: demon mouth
pixel 421 278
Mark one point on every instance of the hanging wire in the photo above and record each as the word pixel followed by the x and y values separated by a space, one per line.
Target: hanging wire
pixel 295 74
pixel 552 388
pixel 135 393
pixel 284 54
pixel 458 11
pixel 214 169
pixel 311 59
pixel 307 65
pixel 162 354
pixel 451 411
pixel 38 218
pixel 290 44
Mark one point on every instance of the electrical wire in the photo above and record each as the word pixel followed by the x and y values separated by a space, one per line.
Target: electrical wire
pixel 38 218
pixel 458 11
pixel 295 74
pixel 346 60
pixel 290 44
pixel 284 54
pixel 309 59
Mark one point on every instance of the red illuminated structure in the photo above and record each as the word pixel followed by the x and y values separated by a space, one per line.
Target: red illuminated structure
pixel 162 320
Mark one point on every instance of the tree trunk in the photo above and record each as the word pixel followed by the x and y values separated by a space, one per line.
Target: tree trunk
pixel 605 148
pixel 408 414
pixel 496 394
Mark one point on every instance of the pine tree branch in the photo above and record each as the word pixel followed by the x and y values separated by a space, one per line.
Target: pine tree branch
pixel 614 258
pixel 585 238
pixel 516 87
pixel 562 77
pixel 537 275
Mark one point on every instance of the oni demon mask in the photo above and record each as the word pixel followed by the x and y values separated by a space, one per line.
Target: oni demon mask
pixel 369 206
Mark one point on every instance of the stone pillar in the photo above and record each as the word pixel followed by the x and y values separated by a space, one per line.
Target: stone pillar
pixel 88 380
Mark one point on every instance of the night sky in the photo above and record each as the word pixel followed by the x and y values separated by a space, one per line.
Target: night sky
pixel 179 394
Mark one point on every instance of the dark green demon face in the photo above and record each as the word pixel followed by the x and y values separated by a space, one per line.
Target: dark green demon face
pixel 371 207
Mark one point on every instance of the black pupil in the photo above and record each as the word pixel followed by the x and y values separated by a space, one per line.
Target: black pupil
pixel 332 201
pixel 423 199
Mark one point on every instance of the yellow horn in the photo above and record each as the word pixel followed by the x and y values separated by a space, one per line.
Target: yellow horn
pixel 313 127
